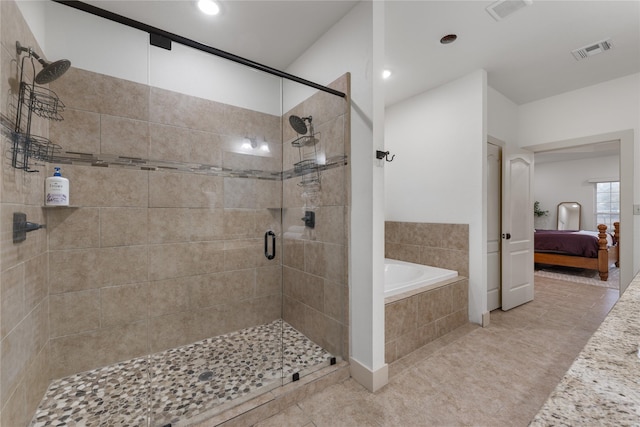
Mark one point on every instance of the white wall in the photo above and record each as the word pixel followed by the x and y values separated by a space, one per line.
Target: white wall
pixel 612 107
pixel 567 181
pixel 355 45
pixel 502 118
pixel 96 44
pixel 439 139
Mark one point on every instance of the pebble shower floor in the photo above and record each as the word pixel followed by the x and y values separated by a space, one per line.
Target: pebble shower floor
pixel 177 384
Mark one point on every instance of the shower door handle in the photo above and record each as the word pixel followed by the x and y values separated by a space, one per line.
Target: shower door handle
pixel 272 254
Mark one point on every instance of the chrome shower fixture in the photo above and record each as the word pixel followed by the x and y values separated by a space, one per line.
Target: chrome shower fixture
pixel 298 124
pixel 50 70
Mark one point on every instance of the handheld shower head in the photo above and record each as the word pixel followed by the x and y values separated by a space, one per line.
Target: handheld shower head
pixel 298 124
pixel 50 70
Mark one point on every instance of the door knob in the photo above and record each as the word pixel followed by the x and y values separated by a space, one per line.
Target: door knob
pixel 506 236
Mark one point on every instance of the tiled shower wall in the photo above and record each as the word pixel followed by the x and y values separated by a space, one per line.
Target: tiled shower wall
pixel 147 260
pixel 24 302
pixel 315 283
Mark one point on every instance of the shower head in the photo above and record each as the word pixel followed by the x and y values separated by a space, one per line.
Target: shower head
pixel 298 124
pixel 50 70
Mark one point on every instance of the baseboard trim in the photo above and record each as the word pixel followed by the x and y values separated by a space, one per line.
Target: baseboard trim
pixel 371 380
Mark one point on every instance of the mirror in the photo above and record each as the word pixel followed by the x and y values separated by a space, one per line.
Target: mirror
pixel 569 216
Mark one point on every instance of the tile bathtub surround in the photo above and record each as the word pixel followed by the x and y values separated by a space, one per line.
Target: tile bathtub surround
pixel 419 319
pixel 178 384
pixel 438 245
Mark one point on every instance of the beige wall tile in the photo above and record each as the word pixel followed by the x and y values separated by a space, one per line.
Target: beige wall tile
pixel 268 281
pixel 167 225
pixel 14 412
pixel 123 226
pixel 97 186
pixel 247 253
pixel 239 223
pixel 325 260
pixel 78 133
pixel 403 252
pixel 185 259
pixel 170 296
pixel 333 188
pixel 446 258
pixel 170 189
pixel 222 288
pixel 124 304
pixel 124 137
pixel 400 318
pixel 170 331
pixel 205 148
pixel 89 91
pixel 75 270
pixel 268 193
pixel 172 108
pixel 74 312
pixel 169 143
pixel 36 285
pixel 73 228
pixel 210 322
pixel 81 352
pixel 330 224
pixel 293 253
pixel 334 301
pixel 267 308
pixel 451 322
pixel 455 236
pixel 240 193
pixel 13 357
pixel 12 308
pixel 11 254
pixel 293 312
pixel 36 381
pixel 435 304
pixel 460 295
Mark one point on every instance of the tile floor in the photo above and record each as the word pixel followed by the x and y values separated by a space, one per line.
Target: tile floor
pixel 172 386
pixel 495 376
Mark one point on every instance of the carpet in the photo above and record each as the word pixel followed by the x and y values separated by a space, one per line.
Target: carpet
pixel 579 275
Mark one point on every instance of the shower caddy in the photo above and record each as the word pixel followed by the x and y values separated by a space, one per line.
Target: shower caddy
pixel 308 167
pixel 40 101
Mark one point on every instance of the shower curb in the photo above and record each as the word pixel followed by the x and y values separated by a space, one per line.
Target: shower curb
pixel 275 401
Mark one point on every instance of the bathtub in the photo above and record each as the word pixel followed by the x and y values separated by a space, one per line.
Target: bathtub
pixel 400 277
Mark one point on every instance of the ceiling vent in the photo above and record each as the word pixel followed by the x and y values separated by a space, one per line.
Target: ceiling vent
pixel 592 49
pixel 503 8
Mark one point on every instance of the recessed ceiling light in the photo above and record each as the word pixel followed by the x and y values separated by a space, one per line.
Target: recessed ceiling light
pixel 209 7
pixel 386 74
pixel 449 38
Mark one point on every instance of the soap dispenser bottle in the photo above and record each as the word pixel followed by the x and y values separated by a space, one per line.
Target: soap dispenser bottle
pixel 56 190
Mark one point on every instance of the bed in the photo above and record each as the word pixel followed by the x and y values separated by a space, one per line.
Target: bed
pixel 595 250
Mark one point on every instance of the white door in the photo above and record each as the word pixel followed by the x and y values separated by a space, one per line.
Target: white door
pixel 494 190
pixel 517 228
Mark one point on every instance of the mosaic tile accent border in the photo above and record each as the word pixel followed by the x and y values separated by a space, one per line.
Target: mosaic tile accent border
pixel 177 384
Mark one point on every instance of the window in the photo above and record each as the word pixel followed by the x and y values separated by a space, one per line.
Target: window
pixel 607 203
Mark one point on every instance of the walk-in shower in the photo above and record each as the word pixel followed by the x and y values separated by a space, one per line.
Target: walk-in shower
pixel 186 277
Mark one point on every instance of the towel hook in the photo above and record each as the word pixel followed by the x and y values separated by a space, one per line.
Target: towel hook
pixel 384 155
